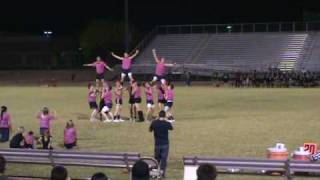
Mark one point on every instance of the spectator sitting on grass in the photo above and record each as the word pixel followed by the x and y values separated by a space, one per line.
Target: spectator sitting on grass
pixel 99 176
pixel 17 140
pixel 70 135
pixel 59 173
pixel 206 172
pixel 2 168
pixel 140 171
pixel 29 140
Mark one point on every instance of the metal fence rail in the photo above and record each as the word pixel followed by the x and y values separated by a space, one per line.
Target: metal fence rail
pixel 288 168
pixel 240 27
pixel 77 158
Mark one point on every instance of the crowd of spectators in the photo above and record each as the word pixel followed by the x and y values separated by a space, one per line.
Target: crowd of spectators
pixel 270 78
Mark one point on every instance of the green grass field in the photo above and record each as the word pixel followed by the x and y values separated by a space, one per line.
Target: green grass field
pixel 219 122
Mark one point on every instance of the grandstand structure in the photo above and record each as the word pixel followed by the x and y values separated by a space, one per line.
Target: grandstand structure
pixel 204 49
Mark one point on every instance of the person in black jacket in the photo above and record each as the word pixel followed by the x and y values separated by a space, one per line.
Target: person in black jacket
pixel 160 130
pixel 17 140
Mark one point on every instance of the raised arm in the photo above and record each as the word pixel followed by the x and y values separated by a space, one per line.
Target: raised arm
pixel 117 57
pixel 155 55
pixel 109 68
pixel 135 54
pixel 54 114
pixel 170 64
pixel 38 114
pixel 91 64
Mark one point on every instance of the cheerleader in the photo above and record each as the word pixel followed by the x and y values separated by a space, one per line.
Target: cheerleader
pixel 136 92
pixel 133 110
pixel 100 66
pixel 118 101
pixel 107 99
pixel 160 74
pixel 149 98
pixel 161 99
pixel 169 96
pixel 92 99
pixel 126 64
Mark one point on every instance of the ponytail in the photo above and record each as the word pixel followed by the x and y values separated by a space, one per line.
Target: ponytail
pixel 3 110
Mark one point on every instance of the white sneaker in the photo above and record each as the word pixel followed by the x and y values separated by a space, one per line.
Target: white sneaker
pixel 121 120
pixel 171 121
pixel 107 121
pixel 116 120
pixel 93 120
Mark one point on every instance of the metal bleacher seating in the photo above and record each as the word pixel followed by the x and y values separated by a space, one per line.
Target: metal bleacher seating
pixel 311 60
pixel 227 51
pixel 178 48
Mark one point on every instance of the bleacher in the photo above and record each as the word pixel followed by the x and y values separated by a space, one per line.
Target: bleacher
pixel 178 48
pixel 311 60
pixel 231 51
pixel 252 51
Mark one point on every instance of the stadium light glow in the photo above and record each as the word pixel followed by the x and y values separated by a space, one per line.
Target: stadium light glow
pixel 47 33
pixel 229 27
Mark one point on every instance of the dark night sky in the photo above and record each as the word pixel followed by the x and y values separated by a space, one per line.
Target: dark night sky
pixel 71 18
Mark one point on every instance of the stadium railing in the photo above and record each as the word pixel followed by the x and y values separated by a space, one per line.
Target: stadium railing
pixel 77 158
pixel 287 168
pixel 293 26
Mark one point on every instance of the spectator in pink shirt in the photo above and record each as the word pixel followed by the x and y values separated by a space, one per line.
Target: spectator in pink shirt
pixel 100 67
pixel 160 74
pixel 126 64
pixel 29 140
pixel 45 117
pixel 70 135
pixel 5 124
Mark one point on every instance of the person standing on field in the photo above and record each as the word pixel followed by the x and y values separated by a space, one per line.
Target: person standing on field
pixel 160 129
